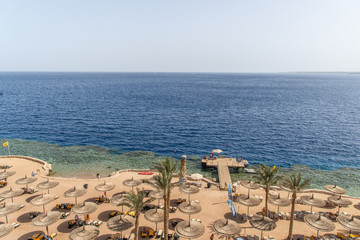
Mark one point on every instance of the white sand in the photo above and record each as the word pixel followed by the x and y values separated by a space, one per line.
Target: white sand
pixel 213 202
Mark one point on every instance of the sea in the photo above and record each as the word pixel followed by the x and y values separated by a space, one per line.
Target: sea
pixel 88 123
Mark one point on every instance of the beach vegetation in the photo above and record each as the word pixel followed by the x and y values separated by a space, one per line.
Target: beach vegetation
pixel 294 182
pixel 136 203
pixel 163 182
pixel 266 176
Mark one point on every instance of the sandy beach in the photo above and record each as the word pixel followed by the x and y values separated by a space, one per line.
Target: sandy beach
pixel 212 201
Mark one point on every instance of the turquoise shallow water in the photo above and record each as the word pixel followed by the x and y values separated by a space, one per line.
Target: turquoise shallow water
pixel 80 161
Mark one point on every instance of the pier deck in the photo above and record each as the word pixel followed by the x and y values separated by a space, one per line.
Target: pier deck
pixel 223 165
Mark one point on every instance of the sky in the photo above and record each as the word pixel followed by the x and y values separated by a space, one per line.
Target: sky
pixel 180 35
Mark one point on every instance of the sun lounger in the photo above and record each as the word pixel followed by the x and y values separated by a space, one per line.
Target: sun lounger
pixel 159 233
pixel 56 197
pixel 197 201
pixel 53 235
pixel 15 224
pixel 132 236
pixel 21 206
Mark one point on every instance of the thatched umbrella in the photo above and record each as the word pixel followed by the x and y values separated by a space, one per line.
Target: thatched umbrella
pixel 249 201
pixel 341 202
pixel 226 227
pixel 8 208
pixel 46 219
pixel 312 201
pixel 120 223
pixel 26 180
pixel 249 185
pixel 12 193
pixel 84 208
pixel 5 229
pixel 156 195
pixel 262 223
pixel 335 189
pixel 117 200
pixel 190 208
pixel 47 185
pixel 104 187
pixel 320 223
pixel 349 222
pixel 155 215
pixel 132 183
pixel 288 190
pixel 279 202
pixel 86 232
pixel 75 192
pixel 43 199
pixel 7 174
pixel 196 176
pixel 190 229
pixel 189 189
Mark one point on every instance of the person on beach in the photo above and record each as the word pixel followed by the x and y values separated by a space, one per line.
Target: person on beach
pixel 33 174
pixel 98 175
pixel 212 237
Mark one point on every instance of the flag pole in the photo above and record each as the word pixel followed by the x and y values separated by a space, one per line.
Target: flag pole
pixel 8 149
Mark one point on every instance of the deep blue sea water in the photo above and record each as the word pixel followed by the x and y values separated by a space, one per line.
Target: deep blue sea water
pixel 84 123
pixel 283 119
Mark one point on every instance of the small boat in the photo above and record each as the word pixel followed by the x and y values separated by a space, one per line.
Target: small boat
pixel 146 173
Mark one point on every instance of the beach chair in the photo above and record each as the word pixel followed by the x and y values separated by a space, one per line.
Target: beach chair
pixel 53 235
pixel 132 236
pixel 159 233
pixel 151 233
pixel 144 233
pixel 15 224
pixel 342 236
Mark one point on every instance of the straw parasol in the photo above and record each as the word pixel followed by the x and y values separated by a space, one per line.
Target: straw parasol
pixel 278 201
pixel 312 201
pixel 132 183
pixel 104 187
pixel 117 200
pixel 8 208
pixel 7 174
pixel 335 189
pixel 46 219
pixel 12 193
pixel 189 189
pixel 190 229
pixel 156 195
pixel 262 223
pixel 249 185
pixel 75 192
pixel 340 201
pixel 42 200
pixel 320 223
pixel 248 201
pixel 286 189
pixel 84 208
pixel 349 222
pixel 120 223
pixel 190 208
pixel 226 227
pixel 87 232
pixel 5 229
pixel 25 180
pixel 47 185
pixel 155 215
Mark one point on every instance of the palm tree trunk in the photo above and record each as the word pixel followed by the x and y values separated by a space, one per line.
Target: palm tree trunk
pixel 293 198
pixel 137 225
pixel 266 201
pixel 166 217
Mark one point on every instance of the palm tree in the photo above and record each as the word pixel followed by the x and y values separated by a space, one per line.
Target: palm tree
pixel 266 176
pixel 136 202
pixel 295 183
pixel 163 182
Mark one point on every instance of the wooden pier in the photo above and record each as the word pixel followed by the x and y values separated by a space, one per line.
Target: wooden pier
pixel 222 165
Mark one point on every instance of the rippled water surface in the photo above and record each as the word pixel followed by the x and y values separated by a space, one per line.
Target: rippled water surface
pixel 283 119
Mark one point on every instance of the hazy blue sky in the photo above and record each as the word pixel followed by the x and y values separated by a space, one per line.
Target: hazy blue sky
pixel 180 35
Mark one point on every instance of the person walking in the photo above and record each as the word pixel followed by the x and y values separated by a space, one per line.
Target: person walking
pixel 212 237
